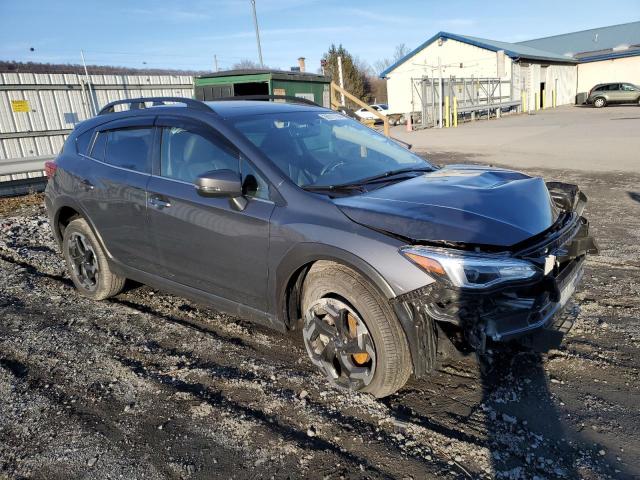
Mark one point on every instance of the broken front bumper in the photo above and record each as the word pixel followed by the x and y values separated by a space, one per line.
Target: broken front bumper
pixel 525 311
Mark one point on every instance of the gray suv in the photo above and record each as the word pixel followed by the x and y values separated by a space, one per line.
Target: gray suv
pixel 299 218
pixel 605 94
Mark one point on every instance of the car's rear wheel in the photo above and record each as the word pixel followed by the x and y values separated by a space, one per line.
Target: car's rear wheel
pixel 351 333
pixel 87 263
pixel 599 102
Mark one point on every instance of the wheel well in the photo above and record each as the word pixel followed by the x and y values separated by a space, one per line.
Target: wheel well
pixel 293 292
pixel 65 216
pixel 293 295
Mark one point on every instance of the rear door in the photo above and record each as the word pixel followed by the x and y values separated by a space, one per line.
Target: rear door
pixel 204 242
pixel 113 184
pixel 615 93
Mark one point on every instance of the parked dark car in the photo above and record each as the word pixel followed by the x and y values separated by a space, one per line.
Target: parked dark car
pixel 605 94
pixel 299 218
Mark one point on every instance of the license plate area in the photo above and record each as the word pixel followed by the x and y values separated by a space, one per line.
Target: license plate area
pixel 568 281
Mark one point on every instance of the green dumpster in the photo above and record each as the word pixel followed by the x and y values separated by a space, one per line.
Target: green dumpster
pixel 238 83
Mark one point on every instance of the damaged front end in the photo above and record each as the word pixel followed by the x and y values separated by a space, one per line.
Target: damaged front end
pixel 483 294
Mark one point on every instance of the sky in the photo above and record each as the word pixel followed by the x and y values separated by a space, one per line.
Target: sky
pixel 187 34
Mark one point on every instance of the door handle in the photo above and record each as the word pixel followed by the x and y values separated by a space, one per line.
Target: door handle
pixel 86 184
pixel 159 202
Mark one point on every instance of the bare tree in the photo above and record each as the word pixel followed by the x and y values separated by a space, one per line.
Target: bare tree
pixel 400 52
pixel 246 64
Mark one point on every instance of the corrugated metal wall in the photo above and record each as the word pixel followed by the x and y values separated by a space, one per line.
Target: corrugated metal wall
pixel 57 102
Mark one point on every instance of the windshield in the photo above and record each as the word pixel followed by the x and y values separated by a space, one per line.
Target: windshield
pixel 325 148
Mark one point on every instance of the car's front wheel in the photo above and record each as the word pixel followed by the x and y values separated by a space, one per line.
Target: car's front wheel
pixel 351 333
pixel 599 102
pixel 87 262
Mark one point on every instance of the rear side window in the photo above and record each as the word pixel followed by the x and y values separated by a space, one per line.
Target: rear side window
pixel 97 151
pixel 83 141
pixel 129 148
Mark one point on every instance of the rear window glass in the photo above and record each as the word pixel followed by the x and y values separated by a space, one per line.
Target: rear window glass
pixel 129 148
pixel 82 142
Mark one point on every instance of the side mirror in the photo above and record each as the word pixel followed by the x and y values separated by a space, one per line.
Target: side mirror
pixel 219 183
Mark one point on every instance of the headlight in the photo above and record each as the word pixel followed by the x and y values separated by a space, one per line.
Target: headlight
pixel 469 269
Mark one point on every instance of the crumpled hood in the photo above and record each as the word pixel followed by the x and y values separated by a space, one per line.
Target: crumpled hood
pixel 458 203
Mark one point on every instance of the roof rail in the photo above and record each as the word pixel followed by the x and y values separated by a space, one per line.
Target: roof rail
pixel 269 97
pixel 139 103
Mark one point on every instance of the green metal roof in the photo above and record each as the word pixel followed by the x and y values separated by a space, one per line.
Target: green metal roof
pixel 274 74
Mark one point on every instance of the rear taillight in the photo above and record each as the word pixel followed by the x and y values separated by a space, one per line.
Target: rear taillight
pixel 50 169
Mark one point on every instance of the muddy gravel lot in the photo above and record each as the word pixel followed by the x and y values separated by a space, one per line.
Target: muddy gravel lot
pixel 148 385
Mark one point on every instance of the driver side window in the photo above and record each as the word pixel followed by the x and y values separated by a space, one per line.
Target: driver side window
pixel 188 152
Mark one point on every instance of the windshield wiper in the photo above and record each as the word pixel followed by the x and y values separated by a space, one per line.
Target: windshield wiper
pixel 390 173
pixel 364 181
pixel 332 188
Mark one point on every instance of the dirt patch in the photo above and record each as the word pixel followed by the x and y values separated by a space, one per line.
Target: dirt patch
pixel 17 205
pixel 148 385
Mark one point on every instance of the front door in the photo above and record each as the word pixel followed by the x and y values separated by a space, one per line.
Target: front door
pixel 114 181
pixel 629 93
pixel 204 242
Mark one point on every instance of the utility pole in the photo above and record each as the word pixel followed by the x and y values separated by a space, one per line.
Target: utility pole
pixel 255 23
pixel 93 106
pixel 215 62
pixel 440 99
pixel 341 79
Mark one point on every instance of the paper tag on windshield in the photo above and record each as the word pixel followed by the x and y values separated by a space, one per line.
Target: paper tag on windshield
pixel 331 116
pixel 549 263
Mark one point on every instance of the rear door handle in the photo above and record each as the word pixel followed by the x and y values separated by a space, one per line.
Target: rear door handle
pixel 86 184
pixel 159 202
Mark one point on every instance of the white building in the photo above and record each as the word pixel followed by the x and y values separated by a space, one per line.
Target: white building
pixel 557 67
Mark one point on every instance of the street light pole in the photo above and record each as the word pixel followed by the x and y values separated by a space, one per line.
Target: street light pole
pixel 255 23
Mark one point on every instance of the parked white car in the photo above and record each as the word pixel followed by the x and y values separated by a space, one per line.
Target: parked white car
pixel 363 113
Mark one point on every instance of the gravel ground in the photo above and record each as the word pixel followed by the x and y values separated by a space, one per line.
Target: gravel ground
pixel 147 385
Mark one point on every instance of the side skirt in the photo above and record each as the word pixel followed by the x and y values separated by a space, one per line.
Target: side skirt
pixel 204 298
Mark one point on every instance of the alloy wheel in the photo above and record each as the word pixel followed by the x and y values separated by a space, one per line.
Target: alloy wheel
pixel 83 261
pixel 339 343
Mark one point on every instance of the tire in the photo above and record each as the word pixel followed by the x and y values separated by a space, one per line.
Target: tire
pixel 87 265
pixel 335 284
pixel 599 102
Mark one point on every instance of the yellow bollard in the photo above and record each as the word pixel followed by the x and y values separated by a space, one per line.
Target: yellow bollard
pixel 446 112
pixel 543 100
pixel 455 111
pixel 537 105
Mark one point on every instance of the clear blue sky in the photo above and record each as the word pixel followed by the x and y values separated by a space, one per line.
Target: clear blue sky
pixel 187 34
